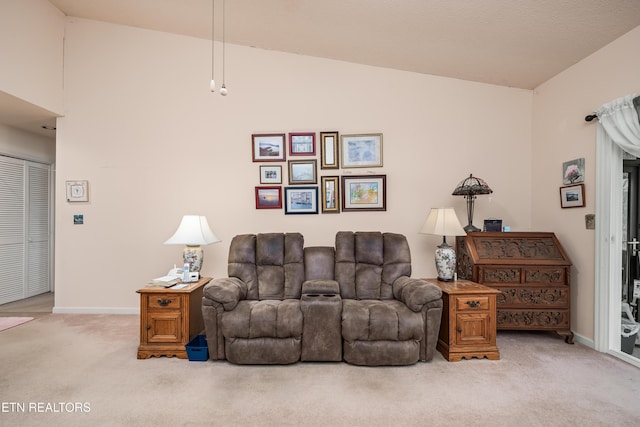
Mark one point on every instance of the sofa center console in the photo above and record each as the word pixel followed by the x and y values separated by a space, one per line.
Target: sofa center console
pixel 321 307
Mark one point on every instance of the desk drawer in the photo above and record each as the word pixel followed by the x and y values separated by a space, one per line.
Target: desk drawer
pixel 164 302
pixel 472 302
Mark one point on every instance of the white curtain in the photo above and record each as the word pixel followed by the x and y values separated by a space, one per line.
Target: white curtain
pixel 618 131
pixel 619 119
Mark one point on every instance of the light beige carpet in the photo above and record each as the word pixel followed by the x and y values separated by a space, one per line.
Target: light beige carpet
pixel 80 370
pixel 10 322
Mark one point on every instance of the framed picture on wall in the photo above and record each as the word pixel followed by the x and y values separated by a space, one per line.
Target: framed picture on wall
pixel 270 174
pixel 302 144
pixel 364 193
pixel 330 194
pixel 268 147
pixel 329 150
pixel 77 191
pixel 301 200
pixel 572 196
pixel 573 171
pixel 302 172
pixel 361 151
pixel 269 197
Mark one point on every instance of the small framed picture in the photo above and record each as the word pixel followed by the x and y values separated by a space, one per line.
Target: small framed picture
pixel 302 144
pixel 361 151
pixel 77 191
pixel 301 200
pixel 573 171
pixel 330 194
pixel 270 174
pixel 302 172
pixel 572 196
pixel 329 150
pixel 268 147
pixel 364 193
pixel 269 197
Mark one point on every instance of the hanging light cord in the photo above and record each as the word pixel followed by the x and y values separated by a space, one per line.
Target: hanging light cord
pixel 213 21
pixel 223 42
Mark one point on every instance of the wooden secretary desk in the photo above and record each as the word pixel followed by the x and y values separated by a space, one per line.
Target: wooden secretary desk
pixel 532 272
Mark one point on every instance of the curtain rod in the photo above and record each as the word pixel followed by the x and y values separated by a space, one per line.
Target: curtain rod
pixel 636 103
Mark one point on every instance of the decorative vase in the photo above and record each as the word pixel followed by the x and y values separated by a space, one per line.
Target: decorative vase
pixel 193 255
pixel 445 262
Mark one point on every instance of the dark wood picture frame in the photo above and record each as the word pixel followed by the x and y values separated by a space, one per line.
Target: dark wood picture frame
pixel 572 196
pixel 302 143
pixel 269 197
pixel 330 194
pixel 364 193
pixel 268 147
pixel 329 150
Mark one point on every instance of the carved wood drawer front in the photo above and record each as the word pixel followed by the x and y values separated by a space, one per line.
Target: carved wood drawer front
pixel 163 302
pixel 472 302
pixel 541 275
pixel 501 275
pixel 528 319
pixel 534 296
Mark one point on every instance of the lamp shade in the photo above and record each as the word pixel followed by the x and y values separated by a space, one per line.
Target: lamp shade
pixel 442 222
pixel 193 231
pixel 471 186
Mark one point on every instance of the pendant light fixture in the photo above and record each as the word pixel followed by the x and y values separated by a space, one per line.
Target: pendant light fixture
pixel 223 90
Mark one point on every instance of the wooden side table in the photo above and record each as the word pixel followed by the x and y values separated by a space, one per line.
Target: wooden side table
pixel 468 327
pixel 169 318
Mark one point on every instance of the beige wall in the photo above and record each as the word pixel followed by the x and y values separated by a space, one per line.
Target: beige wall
pixel 17 143
pixel 31 36
pixel 560 133
pixel 155 144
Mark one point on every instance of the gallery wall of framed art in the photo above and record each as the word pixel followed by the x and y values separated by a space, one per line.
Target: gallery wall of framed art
pixel 297 153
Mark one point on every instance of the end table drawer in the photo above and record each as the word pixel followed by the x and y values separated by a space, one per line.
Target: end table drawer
pixel 472 302
pixel 163 302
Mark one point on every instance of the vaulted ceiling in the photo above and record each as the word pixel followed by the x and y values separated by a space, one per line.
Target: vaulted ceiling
pixel 515 43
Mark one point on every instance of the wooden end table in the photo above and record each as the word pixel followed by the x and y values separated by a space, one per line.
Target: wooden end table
pixel 468 327
pixel 169 319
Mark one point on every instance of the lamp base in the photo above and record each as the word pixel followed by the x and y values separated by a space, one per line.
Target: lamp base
pixel 471 228
pixel 193 255
pixel 445 262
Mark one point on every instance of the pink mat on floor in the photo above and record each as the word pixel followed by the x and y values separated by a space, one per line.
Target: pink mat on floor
pixel 10 322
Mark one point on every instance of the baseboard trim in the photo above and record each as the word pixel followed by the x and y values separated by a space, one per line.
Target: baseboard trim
pixel 95 310
pixel 581 339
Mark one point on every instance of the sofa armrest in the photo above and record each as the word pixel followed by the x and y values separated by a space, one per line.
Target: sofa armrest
pixel 415 293
pixel 227 291
pixel 320 287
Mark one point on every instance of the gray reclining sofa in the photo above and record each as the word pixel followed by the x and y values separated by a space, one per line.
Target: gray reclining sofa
pixel 283 303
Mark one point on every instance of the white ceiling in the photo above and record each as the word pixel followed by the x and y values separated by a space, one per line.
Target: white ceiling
pixel 516 43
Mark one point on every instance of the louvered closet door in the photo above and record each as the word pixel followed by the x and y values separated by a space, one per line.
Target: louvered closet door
pixel 25 229
pixel 12 226
pixel 38 230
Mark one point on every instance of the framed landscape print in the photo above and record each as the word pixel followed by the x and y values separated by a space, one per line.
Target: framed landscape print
pixel 268 147
pixel 302 172
pixel 301 200
pixel 329 150
pixel 361 151
pixel 572 196
pixel 330 194
pixel 302 144
pixel 364 193
pixel 269 197
pixel 270 174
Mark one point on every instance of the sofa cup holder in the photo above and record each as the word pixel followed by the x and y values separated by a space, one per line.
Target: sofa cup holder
pixel 320 295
